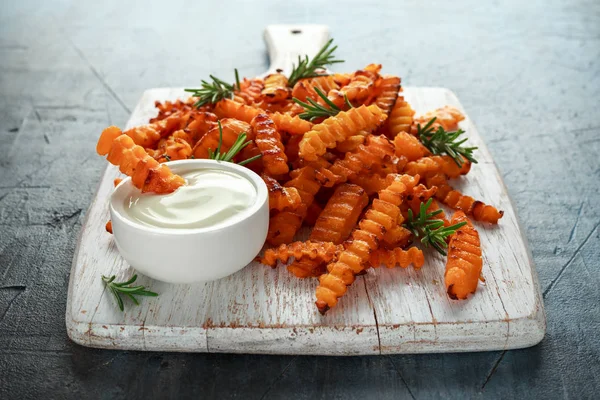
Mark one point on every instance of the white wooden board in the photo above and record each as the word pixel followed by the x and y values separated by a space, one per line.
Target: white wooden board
pixel 261 310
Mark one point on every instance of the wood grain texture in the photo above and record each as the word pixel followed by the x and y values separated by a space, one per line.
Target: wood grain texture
pixel 264 310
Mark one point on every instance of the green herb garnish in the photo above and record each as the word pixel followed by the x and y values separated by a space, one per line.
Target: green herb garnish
pixel 237 80
pixel 442 142
pixel 428 229
pixel 210 93
pixel 238 145
pixel 117 289
pixel 315 110
pixel 308 68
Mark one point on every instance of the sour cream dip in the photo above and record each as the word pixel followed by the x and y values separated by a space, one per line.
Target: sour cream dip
pixel 211 197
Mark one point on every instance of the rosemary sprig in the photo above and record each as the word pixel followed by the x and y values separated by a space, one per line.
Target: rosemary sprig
pixel 211 92
pixel 238 145
pixel 308 68
pixel 315 110
pixel 237 80
pixel 117 289
pixel 430 230
pixel 442 142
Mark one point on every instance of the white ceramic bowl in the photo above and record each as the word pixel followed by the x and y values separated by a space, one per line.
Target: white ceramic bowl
pixel 191 255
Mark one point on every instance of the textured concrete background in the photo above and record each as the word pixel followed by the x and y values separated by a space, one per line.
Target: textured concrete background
pixel 528 74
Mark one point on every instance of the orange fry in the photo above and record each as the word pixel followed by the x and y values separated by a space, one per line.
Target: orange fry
pixel 276 88
pixel 146 173
pixel 291 124
pixel 323 251
pixel 464 263
pixel 397 257
pixel 360 87
pixel 305 268
pixel 400 118
pixel 387 93
pixel 455 199
pixel 338 128
pixel 381 217
pixel 365 156
pixel 305 88
pixel 340 214
pixel 281 198
pixel 447 117
pixel 284 225
pixel 149 135
pixel 228 108
pixel 268 140
pixel 232 128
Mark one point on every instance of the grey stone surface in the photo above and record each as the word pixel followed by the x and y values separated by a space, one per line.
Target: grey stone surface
pixel 528 73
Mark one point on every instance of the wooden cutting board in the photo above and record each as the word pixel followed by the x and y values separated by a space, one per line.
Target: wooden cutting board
pixel 264 310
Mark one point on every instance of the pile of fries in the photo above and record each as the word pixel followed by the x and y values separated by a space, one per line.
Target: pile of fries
pixel 340 153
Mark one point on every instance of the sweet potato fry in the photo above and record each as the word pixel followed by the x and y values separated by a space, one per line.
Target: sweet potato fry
pixel 336 129
pixel 453 198
pixel 268 140
pixel 276 88
pixel 281 198
pixel 464 263
pixel 382 216
pixel 397 257
pixel 146 173
pixel 340 214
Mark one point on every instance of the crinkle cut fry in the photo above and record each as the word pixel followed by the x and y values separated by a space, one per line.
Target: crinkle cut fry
pixel 281 198
pixel 455 199
pixel 268 140
pixel 276 88
pixel 201 123
pixel 400 118
pixel 305 88
pixel 338 128
pixel 397 257
pixel 350 144
pixel 291 124
pixel 464 263
pixel 387 93
pixel 421 194
pixel 250 90
pixel 398 236
pixel 286 107
pixel 172 149
pixel 149 135
pixel 364 157
pixel 359 89
pixel 409 146
pixel 284 225
pixel 169 108
pixel 232 128
pixel 382 216
pixel 228 108
pixel 306 268
pixel 447 117
pixel 372 183
pixel 320 251
pixel 427 166
pixel 340 215
pixel 146 173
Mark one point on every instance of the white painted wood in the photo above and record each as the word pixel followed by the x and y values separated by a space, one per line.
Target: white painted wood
pixel 286 43
pixel 262 310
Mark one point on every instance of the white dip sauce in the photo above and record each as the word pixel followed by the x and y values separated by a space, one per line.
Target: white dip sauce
pixel 211 197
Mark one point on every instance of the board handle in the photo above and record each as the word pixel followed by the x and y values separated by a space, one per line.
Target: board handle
pixel 286 42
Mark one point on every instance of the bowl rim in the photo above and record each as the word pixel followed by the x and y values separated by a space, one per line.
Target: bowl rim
pixel 262 197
